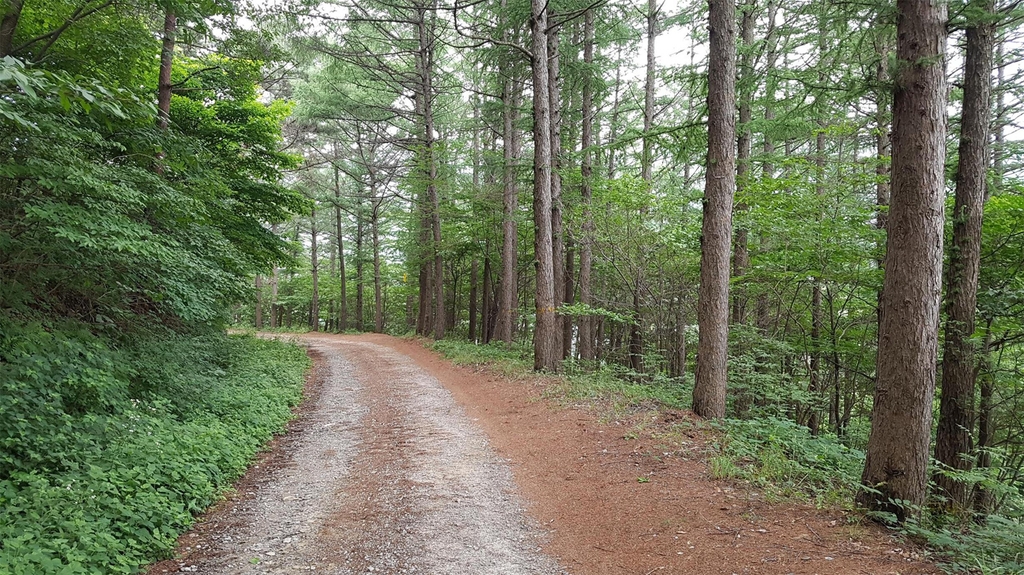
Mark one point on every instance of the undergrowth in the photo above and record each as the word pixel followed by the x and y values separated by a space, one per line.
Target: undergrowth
pixel 786 461
pixel 107 453
pixel 513 362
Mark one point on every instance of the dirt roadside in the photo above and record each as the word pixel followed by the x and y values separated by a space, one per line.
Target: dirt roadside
pixel 411 495
pixel 581 479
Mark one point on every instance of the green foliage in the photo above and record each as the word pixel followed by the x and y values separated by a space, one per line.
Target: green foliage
pixel 91 229
pixel 785 460
pixel 624 389
pixel 994 547
pixel 511 361
pixel 106 453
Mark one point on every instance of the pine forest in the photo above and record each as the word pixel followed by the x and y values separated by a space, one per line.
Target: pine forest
pixel 803 222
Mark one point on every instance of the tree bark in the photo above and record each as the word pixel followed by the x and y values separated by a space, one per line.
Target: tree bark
pixel 586 322
pixel 343 308
pixel 741 253
pixel 473 280
pixel 360 260
pixel 485 304
pixel 544 355
pixel 953 442
pixel 259 302
pixel 557 237
pixel 425 63
pixel 163 99
pixel 314 261
pixel 716 229
pixel 378 300
pixel 8 25
pixel 898 447
pixel 274 322
pixel 508 283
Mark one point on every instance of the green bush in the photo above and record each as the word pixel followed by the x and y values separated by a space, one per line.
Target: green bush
pixel 106 454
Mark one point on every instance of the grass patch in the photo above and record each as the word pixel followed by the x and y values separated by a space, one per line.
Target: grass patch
pixel 621 389
pixel 107 453
pixel 514 361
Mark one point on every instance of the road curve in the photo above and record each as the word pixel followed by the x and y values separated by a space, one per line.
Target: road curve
pixel 385 473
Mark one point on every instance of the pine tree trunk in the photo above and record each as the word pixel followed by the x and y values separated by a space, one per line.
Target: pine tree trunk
pixel 360 260
pixel 898 447
pixel 314 260
pixel 486 319
pixel 716 230
pixel 343 310
pixel 378 299
pixel 163 100
pixel 741 253
pixel 544 355
pixel 425 64
pixel 586 323
pixel 984 499
pixel 508 283
pixel 473 281
pixel 953 441
pixel 557 238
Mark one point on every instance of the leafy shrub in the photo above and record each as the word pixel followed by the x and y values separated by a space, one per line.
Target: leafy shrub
pixel 106 454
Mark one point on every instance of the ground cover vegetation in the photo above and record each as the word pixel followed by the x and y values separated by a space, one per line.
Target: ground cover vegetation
pixel 141 166
pixel 733 205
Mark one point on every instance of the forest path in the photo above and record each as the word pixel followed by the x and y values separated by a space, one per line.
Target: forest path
pixel 401 462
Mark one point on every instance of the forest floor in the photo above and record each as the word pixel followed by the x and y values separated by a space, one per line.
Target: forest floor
pixel 400 462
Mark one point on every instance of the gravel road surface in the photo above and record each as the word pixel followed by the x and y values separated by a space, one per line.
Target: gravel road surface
pixel 387 474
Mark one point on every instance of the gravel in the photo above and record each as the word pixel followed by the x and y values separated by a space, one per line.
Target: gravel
pixel 389 475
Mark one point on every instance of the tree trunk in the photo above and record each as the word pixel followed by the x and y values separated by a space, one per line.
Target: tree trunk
pixel 741 253
pixel 8 25
pixel 485 304
pixel 984 499
pixel 163 99
pixel 557 238
pixel 425 63
pixel 473 281
pixel 314 261
pixel 586 322
pixel 817 387
pixel 508 283
pixel 378 300
pixel 259 302
pixel 569 295
pixel 716 229
pixel 343 311
pixel 544 355
pixel 953 443
pixel 360 278
pixel 898 447
pixel 274 321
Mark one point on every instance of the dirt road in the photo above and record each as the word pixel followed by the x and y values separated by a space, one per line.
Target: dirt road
pixel 402 463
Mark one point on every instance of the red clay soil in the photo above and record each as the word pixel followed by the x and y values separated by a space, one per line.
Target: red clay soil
pixel 582 481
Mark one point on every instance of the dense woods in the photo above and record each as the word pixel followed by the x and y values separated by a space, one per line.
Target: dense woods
pixel 805 218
